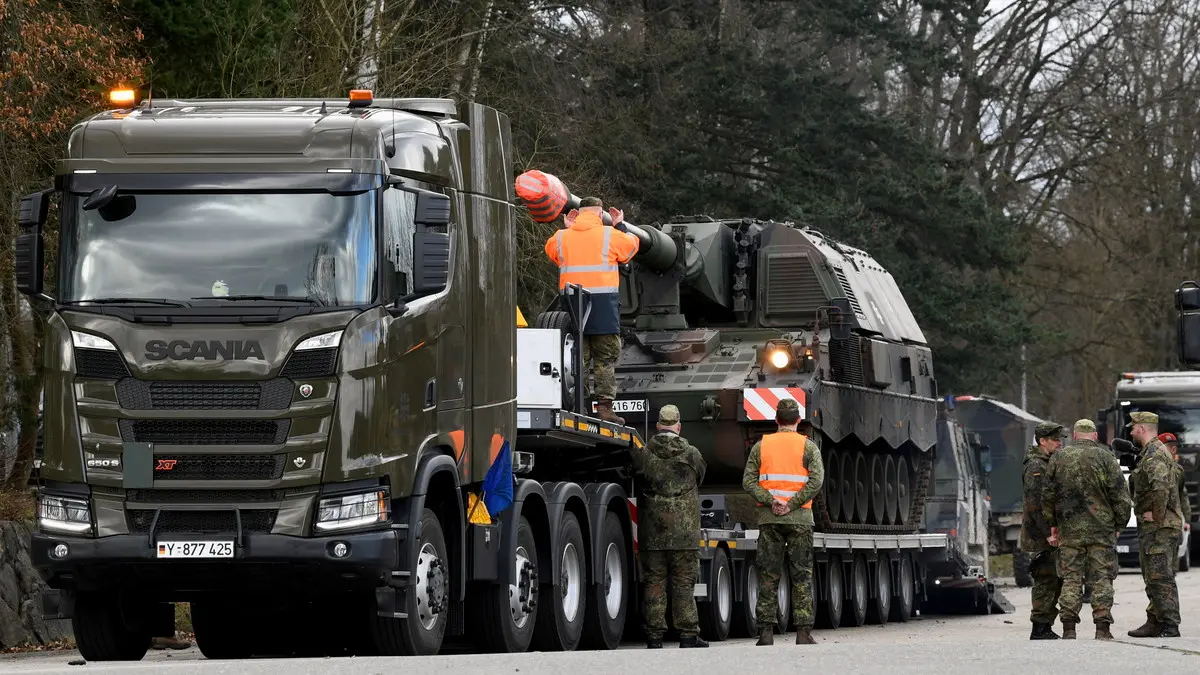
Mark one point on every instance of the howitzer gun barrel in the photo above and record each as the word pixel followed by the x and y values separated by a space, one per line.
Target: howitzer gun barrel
pixel 546 198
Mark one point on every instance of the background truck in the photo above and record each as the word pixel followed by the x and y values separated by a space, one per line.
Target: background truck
pixel 283 383
pixel 1175 397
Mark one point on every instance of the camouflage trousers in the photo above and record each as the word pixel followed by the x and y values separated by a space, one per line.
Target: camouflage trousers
pixel 1157 555
pixel 683 568
pixel 1047 587
pixel 1095 564
pixel 774 542
pixel 603 351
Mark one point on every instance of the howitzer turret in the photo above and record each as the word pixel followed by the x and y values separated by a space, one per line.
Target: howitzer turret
pixel 724 318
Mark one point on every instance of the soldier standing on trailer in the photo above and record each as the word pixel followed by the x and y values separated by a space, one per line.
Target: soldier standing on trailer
pixel 669 471
pixel 783 473
pixel 1035 533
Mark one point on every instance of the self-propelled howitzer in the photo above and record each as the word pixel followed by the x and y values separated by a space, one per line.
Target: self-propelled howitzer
pixel 723 318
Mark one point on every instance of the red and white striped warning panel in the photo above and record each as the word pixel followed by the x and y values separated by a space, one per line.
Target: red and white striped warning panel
pixel 633 519
pixel 759 404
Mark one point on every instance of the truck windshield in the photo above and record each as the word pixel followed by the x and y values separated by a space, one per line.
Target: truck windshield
pixel 190 246
pixel 1181 421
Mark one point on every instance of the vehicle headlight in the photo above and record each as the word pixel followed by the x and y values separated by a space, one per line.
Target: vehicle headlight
pixel 355 510
pixel 325 341
pixel 89 341
pixel 64 514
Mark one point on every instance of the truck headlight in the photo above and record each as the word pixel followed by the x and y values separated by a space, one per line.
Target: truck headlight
pixel 324 341
pixel 356 510
pixel 89 341
pixel 64 514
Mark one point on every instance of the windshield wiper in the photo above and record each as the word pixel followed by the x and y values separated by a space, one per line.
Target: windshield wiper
pixel 311 301
pixel 114 301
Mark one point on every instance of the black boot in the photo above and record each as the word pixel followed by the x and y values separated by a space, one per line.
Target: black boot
pixel 692 642
pixel 653 643
pixel 1169 630
pixel 766 637
pixel 1042 631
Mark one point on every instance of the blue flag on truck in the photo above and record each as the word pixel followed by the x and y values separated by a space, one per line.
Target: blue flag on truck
pixel 498 483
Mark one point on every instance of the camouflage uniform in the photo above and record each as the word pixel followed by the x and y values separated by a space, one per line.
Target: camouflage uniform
pixel 1087 500
pixel 603 351
pixel 670 471
pixel 1043 565
pixel 1156 489
pixel 790 534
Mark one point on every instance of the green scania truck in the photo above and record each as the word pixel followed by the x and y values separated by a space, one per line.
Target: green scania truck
pixel 283 371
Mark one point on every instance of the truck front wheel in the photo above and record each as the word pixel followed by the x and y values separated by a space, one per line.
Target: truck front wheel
pixel 427 600
pixel 101 632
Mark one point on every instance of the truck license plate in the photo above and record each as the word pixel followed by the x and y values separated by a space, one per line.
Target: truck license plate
pixel 195 549
pixel 1122 549
pixel 628 405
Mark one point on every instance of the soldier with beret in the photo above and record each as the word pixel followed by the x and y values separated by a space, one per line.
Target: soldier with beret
pixel 1086 504
pixel 1160 524
pixel 1035 532
pixel 669 472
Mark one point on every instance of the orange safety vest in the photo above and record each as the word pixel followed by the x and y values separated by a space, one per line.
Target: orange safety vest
pixel 588 253
pixel 781 468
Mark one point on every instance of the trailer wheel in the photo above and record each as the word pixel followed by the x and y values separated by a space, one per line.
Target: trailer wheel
pixel 783 613
pixel 608 599
pixel 560 628
pixel 859 585
pixel 716 615
pixel 903 592
pixel 829 611
pixel 101 633
pixel 507 613
pixel 426 602
pixel 562 322
pixel 881 608
pixel 1020 562
pixel 745 622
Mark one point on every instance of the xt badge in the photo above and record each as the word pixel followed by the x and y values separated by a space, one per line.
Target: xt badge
pixel 306 390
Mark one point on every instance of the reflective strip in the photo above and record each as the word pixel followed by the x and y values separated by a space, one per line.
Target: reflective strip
pixel 783 493
pixel 586 268
pixel 792 477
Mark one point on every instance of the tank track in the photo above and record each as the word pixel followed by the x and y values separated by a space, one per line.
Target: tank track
pixel 916 514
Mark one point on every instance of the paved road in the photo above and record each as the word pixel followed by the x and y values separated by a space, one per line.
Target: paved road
pixel 960 644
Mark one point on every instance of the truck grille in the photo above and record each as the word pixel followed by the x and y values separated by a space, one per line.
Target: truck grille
pixel 202 522
pixel 309 364
pixel 218 467
pixel 206 432
pixel 203 496
pixel 100 364
pixel 273 394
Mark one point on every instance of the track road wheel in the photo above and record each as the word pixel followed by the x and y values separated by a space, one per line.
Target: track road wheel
pixel 846 472
pixel 560 623
pixel 716 615
pixel 904 591
pixel 903 485
pixel 101 633
pixel 507 612
pixel 829 610
pixel 862 489
pixel 859 590
pixel 608 596
pixel 878 490
pixel 833 478
pixel 880 608
pixel 745 623
pixel 890 483
pixel 426 602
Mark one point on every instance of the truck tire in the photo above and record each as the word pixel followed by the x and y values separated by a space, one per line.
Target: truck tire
pixel 426 602
pixel 880 609
pixel 716 615
pixel 745 610
pixel 829 610
pixel 562 321
pixel 100 631
pixel 608 597
pixel 495 625
pixel 560 623
pixel 860 584
pixel 220 631
pixel 1021 569
pixel 904 590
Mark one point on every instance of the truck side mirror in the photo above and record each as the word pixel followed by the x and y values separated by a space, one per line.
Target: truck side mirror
pixel 30 253
pixel 839 320
pixel 431 262
pixel 1187 302
pixel 985 459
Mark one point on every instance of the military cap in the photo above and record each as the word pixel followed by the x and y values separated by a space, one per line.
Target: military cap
pixel 788 405
pixel 1048 430
pixel 1084 426
pixel 1142 418
pixel 668 415
pixel 1168 438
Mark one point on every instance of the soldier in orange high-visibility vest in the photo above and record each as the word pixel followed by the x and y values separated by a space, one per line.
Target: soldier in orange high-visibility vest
pixel 587 253
pixel 783 473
